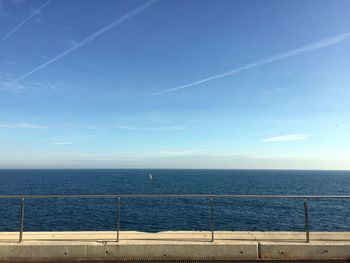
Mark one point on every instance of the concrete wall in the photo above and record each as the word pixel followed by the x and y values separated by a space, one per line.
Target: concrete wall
pixel 173 249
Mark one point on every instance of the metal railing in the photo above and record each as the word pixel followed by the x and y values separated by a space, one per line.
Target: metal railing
pixel 211 198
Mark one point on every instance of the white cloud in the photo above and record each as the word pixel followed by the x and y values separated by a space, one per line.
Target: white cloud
pixel 17 27
pixel 287 138
pixel 6 85
pixel 87 156
pixel 71 42
pixel 310 47
pixel 182 152
pixel 23 126
pixel 90 38
pixel 61 143
pixel 11 86
pixel 149 128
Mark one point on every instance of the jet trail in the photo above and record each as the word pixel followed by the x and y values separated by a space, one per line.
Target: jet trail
pixel 90 38
pixel 25 20
pixel 313 46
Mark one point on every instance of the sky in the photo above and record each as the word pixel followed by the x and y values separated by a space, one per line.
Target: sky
pixel 175 84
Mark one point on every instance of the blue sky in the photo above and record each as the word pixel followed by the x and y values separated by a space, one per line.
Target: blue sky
pixel 175 84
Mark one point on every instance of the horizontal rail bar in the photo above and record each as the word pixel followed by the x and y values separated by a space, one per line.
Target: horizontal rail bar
pixel 179 196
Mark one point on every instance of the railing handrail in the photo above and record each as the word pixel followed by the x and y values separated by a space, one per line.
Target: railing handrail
pixel 305 198
pixel 176 196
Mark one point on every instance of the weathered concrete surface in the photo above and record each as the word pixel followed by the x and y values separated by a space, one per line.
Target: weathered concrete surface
pixel 174 245
pixel 312 251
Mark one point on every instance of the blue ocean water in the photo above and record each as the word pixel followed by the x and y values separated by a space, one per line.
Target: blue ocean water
pixel 154 215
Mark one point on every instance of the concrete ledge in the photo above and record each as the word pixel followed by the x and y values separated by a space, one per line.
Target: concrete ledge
pixel 312 251
pixel 174 245
pixel 64 251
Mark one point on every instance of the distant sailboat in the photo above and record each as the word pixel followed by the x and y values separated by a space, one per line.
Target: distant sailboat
pixel 150 176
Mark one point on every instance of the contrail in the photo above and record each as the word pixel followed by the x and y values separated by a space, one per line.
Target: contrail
pixel 25 20
pixel 313 46
pixel 90 38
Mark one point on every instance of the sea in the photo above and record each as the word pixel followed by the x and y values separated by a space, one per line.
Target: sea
pixel 154 215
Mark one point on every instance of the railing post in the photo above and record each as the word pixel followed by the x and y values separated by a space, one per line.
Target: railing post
pixel 21 224
pixel 306 217
pixel 118 219
pixel 212 218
